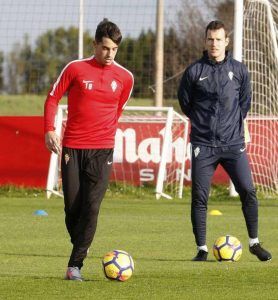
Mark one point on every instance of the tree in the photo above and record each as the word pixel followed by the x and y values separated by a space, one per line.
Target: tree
pixel 54 50
pixel 1 71
pixel 183 43
pixel 186 37
pixel 137 55
pixel 224 11
pixel 33 70
pixel 193 19
pixel 172 62
pixel 20 67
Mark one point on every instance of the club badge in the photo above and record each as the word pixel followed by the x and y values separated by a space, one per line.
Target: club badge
pixel 196 151
pixel 114 85
pixel 67 157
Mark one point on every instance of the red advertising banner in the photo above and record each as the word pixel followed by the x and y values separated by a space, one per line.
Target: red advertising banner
pixel 137 154
pixel 24 159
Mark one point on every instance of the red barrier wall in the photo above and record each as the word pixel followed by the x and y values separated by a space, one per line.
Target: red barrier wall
pixel 138 149
pixel 24 160
pixel 23 157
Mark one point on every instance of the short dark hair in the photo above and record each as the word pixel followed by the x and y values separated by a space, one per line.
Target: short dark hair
pixel 109 30
pixel 214 25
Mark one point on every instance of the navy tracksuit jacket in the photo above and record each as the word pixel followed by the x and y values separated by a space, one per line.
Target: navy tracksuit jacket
pixel 216 97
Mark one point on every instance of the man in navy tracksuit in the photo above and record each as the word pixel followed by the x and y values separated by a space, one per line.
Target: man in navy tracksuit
pixel 215 95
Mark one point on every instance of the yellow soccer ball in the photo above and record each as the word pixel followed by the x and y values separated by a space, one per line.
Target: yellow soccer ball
pixel 118 265
pixel 227 248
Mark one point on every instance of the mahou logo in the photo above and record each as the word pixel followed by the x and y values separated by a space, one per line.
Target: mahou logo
pixel 141 148
pixel 131 148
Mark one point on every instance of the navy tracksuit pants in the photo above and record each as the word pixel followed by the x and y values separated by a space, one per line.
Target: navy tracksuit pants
pixel 85 176
pixel 235 162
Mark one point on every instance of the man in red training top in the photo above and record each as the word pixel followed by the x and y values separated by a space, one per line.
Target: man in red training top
pixel 98 89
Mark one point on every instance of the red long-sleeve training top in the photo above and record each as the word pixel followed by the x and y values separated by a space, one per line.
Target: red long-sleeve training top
pixel 97 95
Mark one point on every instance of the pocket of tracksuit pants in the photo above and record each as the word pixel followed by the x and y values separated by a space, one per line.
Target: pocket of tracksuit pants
pixel 99 164
pixel 235 151
pixel 200 152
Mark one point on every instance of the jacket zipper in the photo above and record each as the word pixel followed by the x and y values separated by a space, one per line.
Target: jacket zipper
pixel 217 113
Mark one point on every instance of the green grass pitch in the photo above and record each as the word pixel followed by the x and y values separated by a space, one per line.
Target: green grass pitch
pixel 157 233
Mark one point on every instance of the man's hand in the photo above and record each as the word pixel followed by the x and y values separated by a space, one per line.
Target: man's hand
pixel 52 142
pixel 247 137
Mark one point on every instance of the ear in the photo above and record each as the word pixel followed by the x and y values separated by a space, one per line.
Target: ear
pixel 227 40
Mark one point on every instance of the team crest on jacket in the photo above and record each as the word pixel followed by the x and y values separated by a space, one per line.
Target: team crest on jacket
pixel 231 75
pixel 114 85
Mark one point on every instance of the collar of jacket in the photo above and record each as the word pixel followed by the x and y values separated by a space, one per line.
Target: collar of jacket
pixel 206 58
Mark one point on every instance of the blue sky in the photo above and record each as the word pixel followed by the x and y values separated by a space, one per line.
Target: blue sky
pixel 18 17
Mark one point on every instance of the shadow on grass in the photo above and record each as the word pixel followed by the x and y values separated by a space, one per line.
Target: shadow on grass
pixel 35 277
pixel 99 257
pixel 172 260
pixel 29 276
pixel 32 255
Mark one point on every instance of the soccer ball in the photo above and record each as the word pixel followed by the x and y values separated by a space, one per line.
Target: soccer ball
pixel 118 265
pixel 227 248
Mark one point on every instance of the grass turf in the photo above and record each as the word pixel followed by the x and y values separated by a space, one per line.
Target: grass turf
pixel 34 249
pixel 33 105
